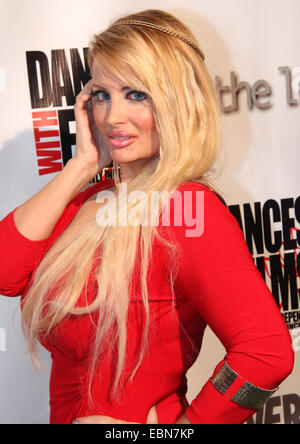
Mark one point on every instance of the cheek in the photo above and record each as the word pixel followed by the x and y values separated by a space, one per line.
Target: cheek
pixel 149 131
pixel 98 116
pixel 144 119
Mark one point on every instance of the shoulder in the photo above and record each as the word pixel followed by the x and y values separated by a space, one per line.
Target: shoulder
pixel 199 212
pixel 89 191
pixel 199 198
pixel 205 229
pixel 79 200
pixel 195 187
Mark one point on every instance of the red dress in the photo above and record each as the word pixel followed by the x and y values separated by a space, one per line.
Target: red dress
pixel 217 285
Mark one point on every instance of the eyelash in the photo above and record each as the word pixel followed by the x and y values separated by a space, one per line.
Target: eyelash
pixel 97 93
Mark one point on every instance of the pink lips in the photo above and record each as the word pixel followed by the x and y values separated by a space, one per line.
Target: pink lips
pixel 120 139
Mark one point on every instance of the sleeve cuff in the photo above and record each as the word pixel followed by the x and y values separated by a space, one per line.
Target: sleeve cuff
pixel 211 407
pixel 19 237
pixel 18 257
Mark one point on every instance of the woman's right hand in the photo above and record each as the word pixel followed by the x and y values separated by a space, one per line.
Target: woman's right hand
pixel 92 156
pixel 152 418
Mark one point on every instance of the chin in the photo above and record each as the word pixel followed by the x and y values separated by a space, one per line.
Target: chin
pixel 122 155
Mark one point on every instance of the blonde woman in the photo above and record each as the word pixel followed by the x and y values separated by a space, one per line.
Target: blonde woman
pixel 122 307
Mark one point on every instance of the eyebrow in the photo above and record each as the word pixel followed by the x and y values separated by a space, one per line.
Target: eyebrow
pixel 125 88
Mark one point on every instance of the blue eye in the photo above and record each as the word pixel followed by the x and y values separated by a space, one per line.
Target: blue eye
pixel 100 95
pixel 138 95
pixel 103 96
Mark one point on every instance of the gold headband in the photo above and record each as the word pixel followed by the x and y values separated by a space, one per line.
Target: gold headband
pixel 163 29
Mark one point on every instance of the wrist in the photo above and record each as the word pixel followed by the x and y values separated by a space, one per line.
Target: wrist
pixel 91 169
pixel 83 172
pixel 73 178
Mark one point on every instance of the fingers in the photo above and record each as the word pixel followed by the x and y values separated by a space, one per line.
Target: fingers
pixel 152 417
pixel 86 89
pixel 82 101
pixel 93 420
pixel 100 419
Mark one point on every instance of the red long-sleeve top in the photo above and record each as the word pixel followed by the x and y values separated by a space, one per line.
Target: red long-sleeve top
pixel 217 285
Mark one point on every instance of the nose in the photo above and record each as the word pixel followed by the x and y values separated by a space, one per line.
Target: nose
pixel 116 112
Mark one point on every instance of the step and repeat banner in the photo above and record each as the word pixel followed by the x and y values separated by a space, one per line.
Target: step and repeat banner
pixel 252 53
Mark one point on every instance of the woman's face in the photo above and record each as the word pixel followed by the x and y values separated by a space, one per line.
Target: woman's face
pixel 125 119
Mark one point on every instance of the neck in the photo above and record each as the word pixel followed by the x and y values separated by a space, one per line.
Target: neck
pixel 130 170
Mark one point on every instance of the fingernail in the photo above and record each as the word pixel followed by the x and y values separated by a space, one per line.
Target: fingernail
pixel 75 421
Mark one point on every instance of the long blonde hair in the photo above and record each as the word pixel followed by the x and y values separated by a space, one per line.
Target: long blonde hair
pixel 187 119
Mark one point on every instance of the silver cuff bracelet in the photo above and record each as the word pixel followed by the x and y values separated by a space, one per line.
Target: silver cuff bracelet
pixel 248 395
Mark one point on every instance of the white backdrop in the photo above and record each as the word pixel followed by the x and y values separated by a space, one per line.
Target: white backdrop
pixel 246 40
